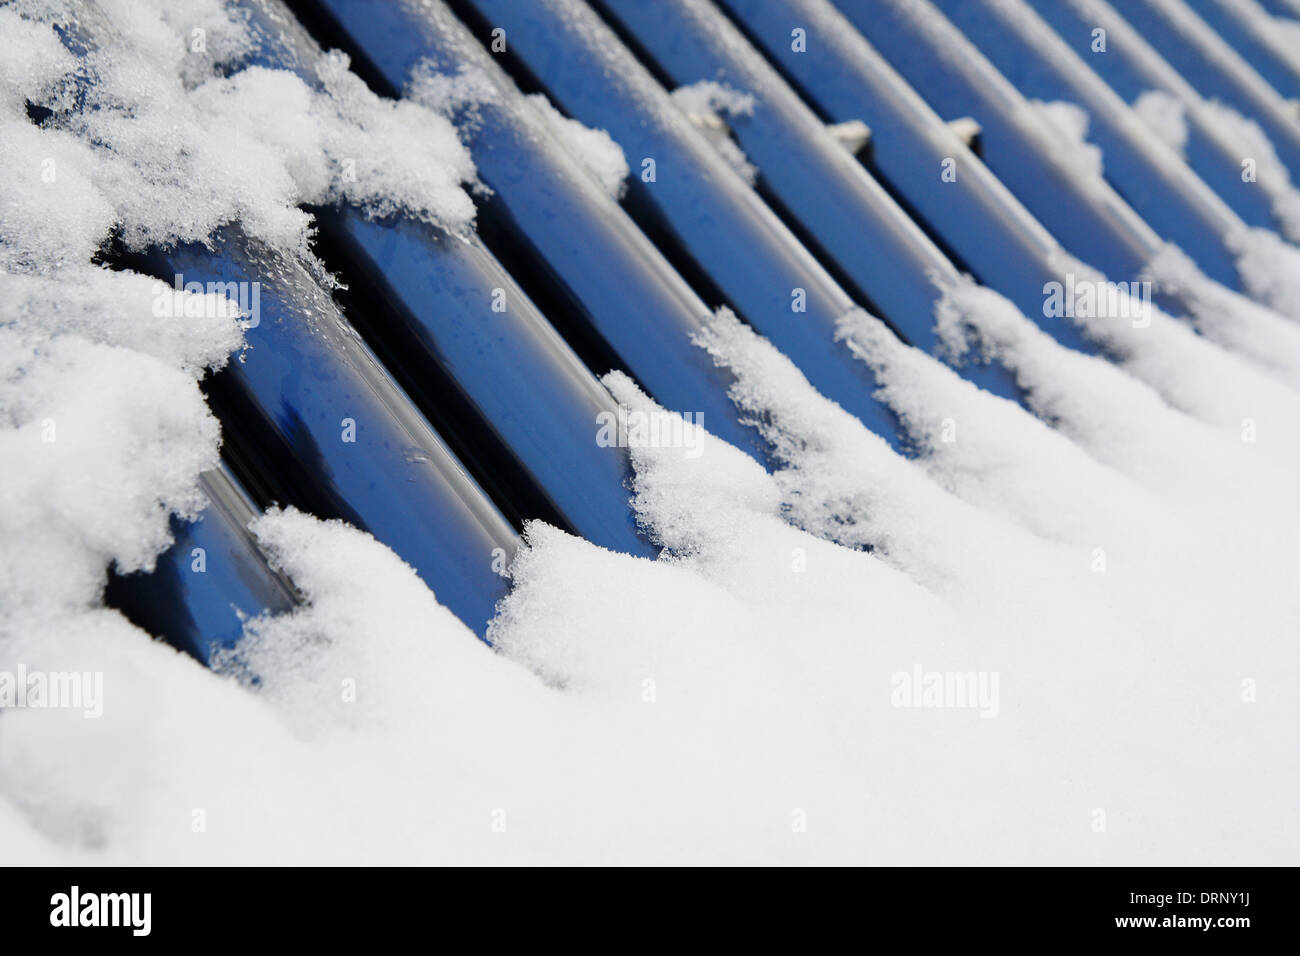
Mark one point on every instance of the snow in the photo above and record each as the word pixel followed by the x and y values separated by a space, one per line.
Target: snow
pixel 1287 30
pixel 1270 270
pixel 1068 124
pixel 99 391
pixel 594 148
pixel 1164 113
pixel 460 97
pixel 708 104
pixel 103 429
pixel 173 153
pixel 457 96
pixel 1118 557
pixel 1226 317
pixel 343 143
pixel 1166 357
pixel 699 706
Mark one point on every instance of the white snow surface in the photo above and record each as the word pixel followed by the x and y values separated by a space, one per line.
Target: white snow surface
pixel 1120 555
